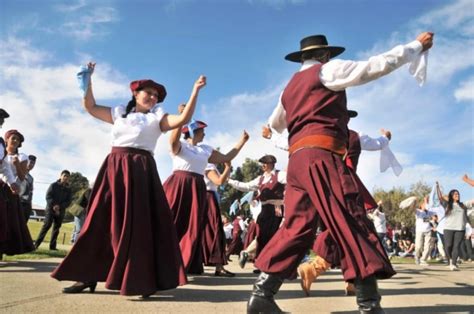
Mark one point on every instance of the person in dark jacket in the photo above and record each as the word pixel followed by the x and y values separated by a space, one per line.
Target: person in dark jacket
pixel 58 198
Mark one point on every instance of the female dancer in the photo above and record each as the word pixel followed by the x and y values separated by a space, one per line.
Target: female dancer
pixel 15 237
pixel 213 240
pixel 128 239
pixel 186 190
pixel 455 220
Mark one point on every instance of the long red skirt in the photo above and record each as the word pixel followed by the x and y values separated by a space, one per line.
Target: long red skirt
pixel 15 237
pixel 213 241
pixel 268 224
pixel 320 184
pixel 128 239
pixel 186 194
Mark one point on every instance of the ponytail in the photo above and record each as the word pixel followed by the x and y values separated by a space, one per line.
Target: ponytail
pixel 131 104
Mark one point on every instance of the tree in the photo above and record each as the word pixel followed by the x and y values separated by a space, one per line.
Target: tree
pixel 392 198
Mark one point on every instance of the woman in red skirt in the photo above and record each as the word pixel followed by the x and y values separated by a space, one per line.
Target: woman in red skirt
pixel 213 240
pixel 186 190
pixel 128 239
pixel 14 235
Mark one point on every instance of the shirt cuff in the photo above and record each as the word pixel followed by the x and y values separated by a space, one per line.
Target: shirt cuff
pixel 415 45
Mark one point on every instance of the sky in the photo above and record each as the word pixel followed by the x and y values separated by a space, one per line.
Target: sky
pixel 240 47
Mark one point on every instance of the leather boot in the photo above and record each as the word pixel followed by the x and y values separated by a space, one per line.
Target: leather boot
pixel 261 300
pixel 309 271
pixel 367 296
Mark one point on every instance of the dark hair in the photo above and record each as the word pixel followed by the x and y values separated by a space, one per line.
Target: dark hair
pixel 131 104
pixel 187 135
pixel 65 172
pixel 32 157
pixel 449 208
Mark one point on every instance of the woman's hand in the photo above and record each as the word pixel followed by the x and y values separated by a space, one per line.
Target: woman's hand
pixel 91 66
pixel 181 108
pixel 266 132
pixel 200 83
pixel 245 137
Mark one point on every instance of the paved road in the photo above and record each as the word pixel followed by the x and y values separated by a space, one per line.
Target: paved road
pixel 25 286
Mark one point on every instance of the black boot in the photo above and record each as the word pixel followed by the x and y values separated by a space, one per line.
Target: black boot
pixel 261 300
pixel 367 295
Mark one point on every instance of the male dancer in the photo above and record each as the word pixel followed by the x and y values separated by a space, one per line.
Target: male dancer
pixel 313 109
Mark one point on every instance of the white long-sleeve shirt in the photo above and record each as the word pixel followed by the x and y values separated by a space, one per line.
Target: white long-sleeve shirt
pixel 254 185
pixel 338 75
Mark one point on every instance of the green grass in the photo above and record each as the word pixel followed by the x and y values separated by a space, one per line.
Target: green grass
pixel 63 242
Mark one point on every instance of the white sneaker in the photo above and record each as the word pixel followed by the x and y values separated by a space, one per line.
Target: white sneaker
pixel 424 263
pixel 417 261
pixel 453 267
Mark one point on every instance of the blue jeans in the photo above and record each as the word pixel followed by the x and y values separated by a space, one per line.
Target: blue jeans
pixel 78 222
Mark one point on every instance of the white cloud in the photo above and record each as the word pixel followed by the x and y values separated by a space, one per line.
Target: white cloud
pixel 90 24
pixel 71 6
pixel 451 16
pixel 277 4
pixel 465 92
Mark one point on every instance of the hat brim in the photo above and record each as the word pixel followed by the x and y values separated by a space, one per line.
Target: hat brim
pixel 352 113
pixel 333 52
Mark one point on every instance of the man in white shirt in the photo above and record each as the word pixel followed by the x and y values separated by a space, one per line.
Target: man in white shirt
pixel 314 110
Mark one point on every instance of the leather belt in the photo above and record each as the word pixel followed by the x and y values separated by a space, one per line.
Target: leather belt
pixel 320 141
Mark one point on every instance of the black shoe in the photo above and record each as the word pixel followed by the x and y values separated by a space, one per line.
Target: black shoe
pixel 146 296
pixel 224 273
pixel 258 304
pixel 367 296
pixel 256 271
pixel 53 249
pixel 262 298
pixel 78 288
pixel 243 257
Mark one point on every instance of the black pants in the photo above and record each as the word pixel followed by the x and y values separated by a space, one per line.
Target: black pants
pixel 51 219
pixel 452 244
pixel 26 208
pixel 466 249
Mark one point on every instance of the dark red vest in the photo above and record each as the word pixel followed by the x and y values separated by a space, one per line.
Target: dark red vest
pixel 353 150
pixel 270 190
pixel 311 108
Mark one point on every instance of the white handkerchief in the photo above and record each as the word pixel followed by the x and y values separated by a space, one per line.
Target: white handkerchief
pixel 418 67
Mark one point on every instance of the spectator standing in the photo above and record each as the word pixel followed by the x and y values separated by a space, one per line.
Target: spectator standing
pixel 58 198
pixel 380 223
pixel 26 192
pixel 422 233
pixel 80 216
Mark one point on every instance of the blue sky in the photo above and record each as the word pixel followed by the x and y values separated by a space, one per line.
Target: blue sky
pixel 239 46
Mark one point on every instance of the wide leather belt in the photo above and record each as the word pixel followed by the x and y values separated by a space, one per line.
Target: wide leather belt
pixel 320 141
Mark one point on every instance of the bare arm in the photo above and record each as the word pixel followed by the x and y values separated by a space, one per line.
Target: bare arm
pixel 174 141
pixel 466 179
pixel 219 179
pixel 170 122
pixel 100 112
pixel 20 167
pixel 217 157
pixel 440 195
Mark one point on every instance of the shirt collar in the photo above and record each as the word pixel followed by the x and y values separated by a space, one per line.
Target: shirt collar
pixel 308 63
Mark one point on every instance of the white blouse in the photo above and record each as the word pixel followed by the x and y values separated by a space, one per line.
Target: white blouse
pixel 6 171
pixel 210 186
pixel 9 173
pixel 192 158
pixel 137 130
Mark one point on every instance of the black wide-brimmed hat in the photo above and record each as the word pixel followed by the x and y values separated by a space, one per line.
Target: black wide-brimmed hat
pixel 352 113
pixel 3 114
pixel 268 159
pixel 314 43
